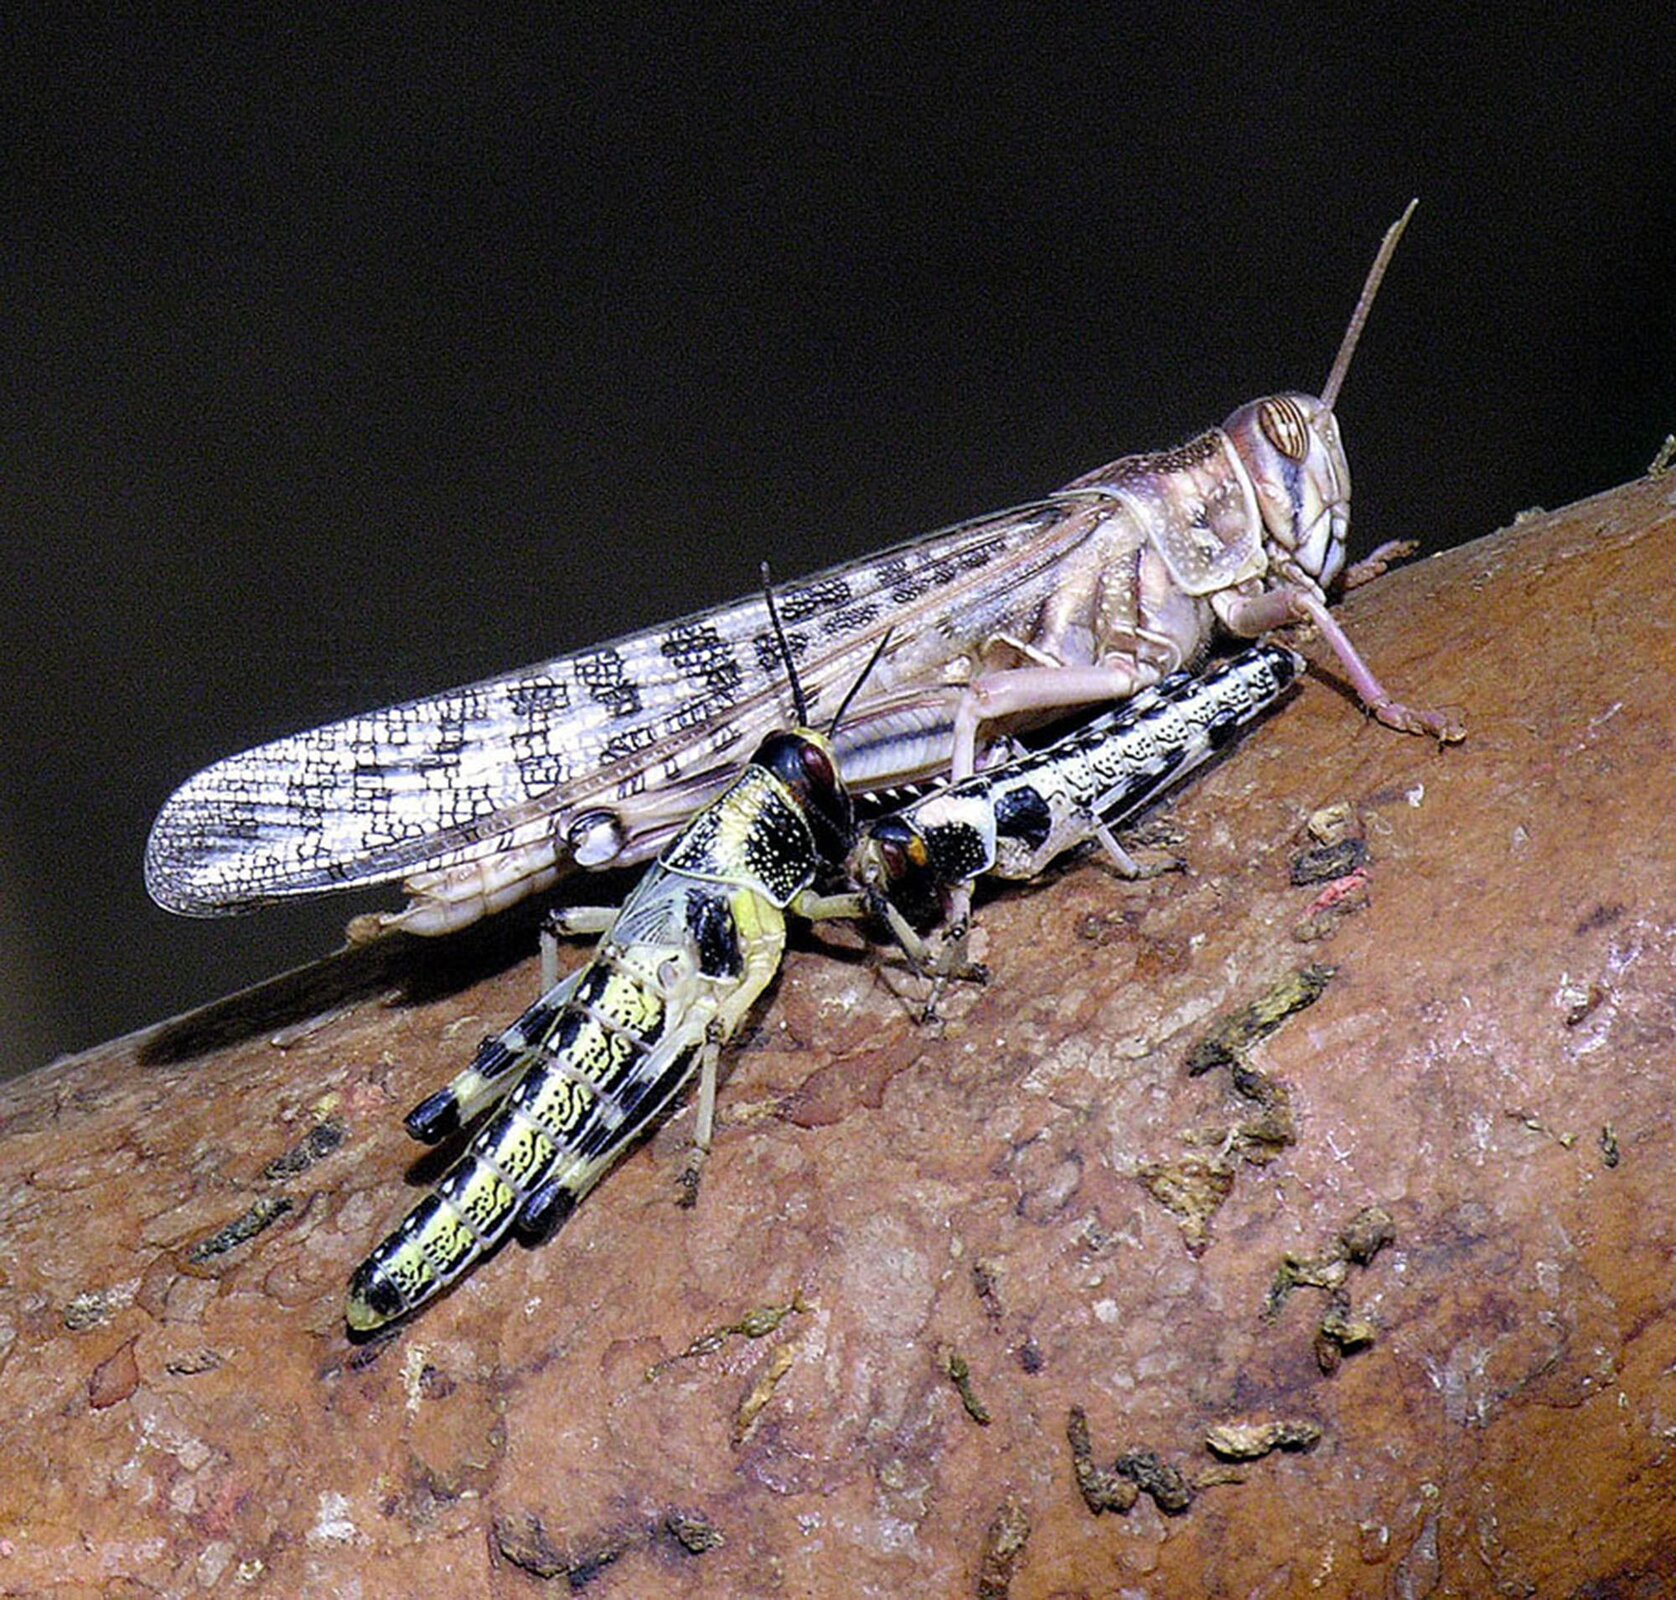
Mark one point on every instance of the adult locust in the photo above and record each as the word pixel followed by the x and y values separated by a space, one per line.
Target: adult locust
pixel 480 795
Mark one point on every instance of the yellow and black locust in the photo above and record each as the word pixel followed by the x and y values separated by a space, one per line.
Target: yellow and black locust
pixel 916 867
pixel 594 1061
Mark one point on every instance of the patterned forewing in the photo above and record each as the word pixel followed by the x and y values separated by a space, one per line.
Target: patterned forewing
pixel 452 777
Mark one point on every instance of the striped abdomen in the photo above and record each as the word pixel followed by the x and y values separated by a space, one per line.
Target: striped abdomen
pixel 600 1065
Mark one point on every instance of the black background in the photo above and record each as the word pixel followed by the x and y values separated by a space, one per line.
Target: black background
pixel 343 362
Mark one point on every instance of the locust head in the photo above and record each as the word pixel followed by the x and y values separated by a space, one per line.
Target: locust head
pixel 893 864
pixel 804 762
pixel 1290 447
pixel 1291 450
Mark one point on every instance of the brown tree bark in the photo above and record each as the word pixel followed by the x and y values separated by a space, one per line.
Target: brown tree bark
pixel 931 1246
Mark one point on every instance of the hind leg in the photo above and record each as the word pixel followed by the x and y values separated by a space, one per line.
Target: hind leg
pixel 493 1070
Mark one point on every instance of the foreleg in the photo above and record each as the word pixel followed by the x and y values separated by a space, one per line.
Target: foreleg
pixel 1251 615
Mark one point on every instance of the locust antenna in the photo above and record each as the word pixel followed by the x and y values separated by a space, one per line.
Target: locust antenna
pixel 861 678
pixel 797 699
pixel 1387 248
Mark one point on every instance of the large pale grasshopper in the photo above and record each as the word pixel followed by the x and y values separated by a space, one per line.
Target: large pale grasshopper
pixel 481 795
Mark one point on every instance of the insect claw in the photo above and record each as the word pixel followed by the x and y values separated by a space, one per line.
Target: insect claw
pixel 1447 726
pixel 948 965
pixel 1376 563
pixel 365 928
pixel 952 965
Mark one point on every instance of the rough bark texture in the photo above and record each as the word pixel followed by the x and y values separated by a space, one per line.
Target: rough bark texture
pixel 1032 1209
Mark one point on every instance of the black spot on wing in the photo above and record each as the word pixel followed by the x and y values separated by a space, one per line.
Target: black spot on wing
pixel 535 700
pixel 710 921
pixel 903 584
pixel 1023 814
pixel 700 654
pixel 851 619
pixel 770 660
pixel 811 599
pixel 626 742
pixel 606 680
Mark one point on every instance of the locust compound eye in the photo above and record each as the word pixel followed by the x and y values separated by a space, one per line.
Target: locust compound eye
pixel 894 854
pixel 899 848
pixel 817 767
pixel 1285 426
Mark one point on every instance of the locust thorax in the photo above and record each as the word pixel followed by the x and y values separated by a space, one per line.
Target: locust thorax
pixel 1289 446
